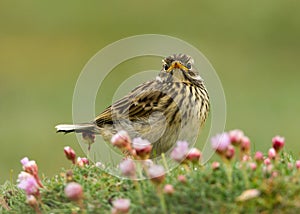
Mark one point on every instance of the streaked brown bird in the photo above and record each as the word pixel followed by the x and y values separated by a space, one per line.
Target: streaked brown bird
pixel 172 107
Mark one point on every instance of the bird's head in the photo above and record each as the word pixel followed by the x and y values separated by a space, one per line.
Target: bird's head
pixel 179 67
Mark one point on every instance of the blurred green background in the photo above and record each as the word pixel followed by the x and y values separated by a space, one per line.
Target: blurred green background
pixel 253 45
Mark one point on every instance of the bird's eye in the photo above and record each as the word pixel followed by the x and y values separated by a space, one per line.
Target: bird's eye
pixel 188 65
pixel 166 67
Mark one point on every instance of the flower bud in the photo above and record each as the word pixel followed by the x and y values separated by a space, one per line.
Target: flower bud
pixel 142 148
pixel 252 166
pixel 194 155
pixel 70 154
pixel 181 178
pixel 220 142
pixel 82 161
pixel 272 153
pixel 121 140
pixel 267 161
pixel 215 165
pixel 168 189
pixel 245 144
pixel 259 157
pixel 127 168
pixel 180 152
pixel 236 136
pixel 156 174
pixel 121 206
pixel 29 166
pixel 74 191
pixel 298 164
pixel 229 154
pixel 278 143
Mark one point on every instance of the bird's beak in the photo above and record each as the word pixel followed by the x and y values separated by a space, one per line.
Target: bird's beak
pixel 177 64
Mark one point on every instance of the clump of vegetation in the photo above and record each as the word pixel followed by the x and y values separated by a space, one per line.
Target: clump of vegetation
pixel 242 181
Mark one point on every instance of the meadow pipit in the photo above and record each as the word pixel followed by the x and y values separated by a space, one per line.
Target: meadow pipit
pixel 169 108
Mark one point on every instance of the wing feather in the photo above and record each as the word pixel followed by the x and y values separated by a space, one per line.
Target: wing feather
pixel 138 105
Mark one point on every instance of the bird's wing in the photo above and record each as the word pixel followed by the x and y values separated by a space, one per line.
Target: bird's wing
pixel 138 105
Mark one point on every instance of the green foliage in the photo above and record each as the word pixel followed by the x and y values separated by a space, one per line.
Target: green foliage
pixel 206 190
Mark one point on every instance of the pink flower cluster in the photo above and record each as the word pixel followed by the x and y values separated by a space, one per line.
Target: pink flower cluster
pixel 138 148
pixel 29 181
pixel 181 153
pixel 71 155
pixel 224 144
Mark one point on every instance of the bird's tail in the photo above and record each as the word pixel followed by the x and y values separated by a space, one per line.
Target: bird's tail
pixel 81 127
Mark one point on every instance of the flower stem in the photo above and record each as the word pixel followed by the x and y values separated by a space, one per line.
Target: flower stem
pixel 137 184
pixel 165 162
pixel 228 170
pixel 139 190
pixel 244 171
pixel 162 199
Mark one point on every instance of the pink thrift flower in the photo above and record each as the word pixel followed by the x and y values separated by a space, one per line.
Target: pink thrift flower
pixel 28 183
pixel 127 168
pixel 74 191
pixel 180 151
pixel 181 178
pixel 252 166
pixel 220 142
pixel 229 153
pixel 82 161
pixel 31 167
pixel 236 136
pixel 156 174
pixel 194 155
pixel 85 161
pixel 259 157
pixel 298 164
pixel 246 158
pixel 272 153
pixel 215 165
pixel 245 144
pixel 267 161
pixel 142 148
pixel 121 206
pixel 122 141
pixel 278 143
pixel 168 189
pixel 24 161
pixel 70 154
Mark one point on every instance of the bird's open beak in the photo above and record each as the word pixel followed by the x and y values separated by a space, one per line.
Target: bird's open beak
pixel 178 65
